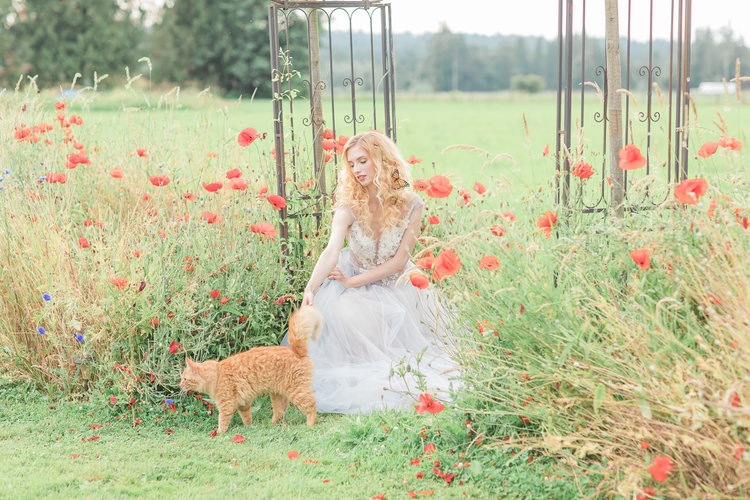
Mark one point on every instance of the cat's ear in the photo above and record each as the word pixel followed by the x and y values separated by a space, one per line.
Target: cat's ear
pixel 190 362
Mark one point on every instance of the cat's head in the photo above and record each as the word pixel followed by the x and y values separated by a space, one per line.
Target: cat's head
pixel 193 377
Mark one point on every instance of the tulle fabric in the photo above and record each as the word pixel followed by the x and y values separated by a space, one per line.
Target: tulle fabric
pixel 371 331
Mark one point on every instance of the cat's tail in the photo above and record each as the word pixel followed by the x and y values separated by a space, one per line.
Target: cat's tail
pixel 305 324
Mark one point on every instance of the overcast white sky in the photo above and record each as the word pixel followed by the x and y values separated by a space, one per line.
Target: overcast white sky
pixel 539 17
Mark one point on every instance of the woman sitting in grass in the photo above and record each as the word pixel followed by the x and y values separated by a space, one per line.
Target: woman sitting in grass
pixel 374 322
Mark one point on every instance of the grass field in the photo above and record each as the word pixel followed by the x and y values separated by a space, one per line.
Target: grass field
pixel 54 449
pixel 513 124
pixel 569 342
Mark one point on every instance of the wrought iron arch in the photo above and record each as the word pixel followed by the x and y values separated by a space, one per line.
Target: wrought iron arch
pixel 345 96
pixel 676 79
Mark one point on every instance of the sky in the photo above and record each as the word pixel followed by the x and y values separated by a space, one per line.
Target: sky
pixel 539 17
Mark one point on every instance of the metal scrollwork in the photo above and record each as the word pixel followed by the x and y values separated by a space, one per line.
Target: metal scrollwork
pixel 359 82
pixel 349 119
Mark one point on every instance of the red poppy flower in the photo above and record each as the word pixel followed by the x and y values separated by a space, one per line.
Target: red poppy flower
pixel 214 293
pixel 440 187
pixel 731 143
pixel 497 230
pixel 75 159
pixel 328 134
pixel 738 452
pixel 237 184
pixel 292 454
pixel 689 191
pixel 276 201
pixel 446 264
pixel 76 120
pixel 174 347
pixel 707 149
pixel 545 152
pixel 414 160
pixel 210 217
pixel 328 145
pixel 234 173
pixel 247 136
pixel 238 439
pixel 412 494
pixel 116 173
pixel 631 158
pixel 546 222
pixel 142 152
pixel 263 192
pixel 582 170
pixel 642 257
pixel 59 106
pixel 120 283
pixel 660 468
pixel 433 219
pixel 479 187
pixel 419 280
pixel 421 184
pixel 489 262
pixel 53 178
pixel 190 196
pixel 83 243
pixel 264 228
pixel 213 187
pixel 425 262
pixel 378 497
pixel 427 404
pixel 159 180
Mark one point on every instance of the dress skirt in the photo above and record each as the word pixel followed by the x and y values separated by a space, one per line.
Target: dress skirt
pixel 369 335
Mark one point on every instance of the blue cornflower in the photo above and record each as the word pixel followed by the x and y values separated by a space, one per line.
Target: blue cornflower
pixel 168 401
pixel 41 330
pixel 2 179
pixel 46 297
pixel 78 336
pixel 7 172
pixel 43 178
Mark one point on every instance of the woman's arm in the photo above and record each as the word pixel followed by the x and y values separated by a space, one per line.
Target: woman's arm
pixel 393 265
pixel 342 219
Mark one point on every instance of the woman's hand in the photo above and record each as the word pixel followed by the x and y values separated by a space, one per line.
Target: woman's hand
pixel 337 275
pixel 307 298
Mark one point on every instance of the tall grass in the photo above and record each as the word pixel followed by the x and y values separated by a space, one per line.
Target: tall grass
pixel 155 238
pixel 579 353
pixel 573 351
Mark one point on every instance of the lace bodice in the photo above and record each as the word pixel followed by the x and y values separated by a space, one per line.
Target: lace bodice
pixel 368 252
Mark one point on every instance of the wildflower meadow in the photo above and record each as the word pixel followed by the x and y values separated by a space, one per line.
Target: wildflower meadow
pixel 600 356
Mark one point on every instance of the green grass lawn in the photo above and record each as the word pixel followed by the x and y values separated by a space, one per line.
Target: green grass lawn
pixel 426 125
pixel 49 451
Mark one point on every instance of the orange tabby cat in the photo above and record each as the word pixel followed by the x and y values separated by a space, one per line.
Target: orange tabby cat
pixel 284 372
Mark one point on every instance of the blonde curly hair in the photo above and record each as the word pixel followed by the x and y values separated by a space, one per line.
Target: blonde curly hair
pixel 386 157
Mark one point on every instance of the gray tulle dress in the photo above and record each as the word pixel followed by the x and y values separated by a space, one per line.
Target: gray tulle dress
pixel 372 331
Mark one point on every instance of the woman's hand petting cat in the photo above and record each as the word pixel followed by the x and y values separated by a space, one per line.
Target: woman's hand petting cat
pixel 336 274
pixel 307 298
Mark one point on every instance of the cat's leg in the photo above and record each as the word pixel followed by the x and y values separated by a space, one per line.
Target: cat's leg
pixel 279 403
pixel 226 412
pixel 304 399
pixel 246 412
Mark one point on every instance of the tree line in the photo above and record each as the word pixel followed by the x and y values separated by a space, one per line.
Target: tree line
pixel 225 44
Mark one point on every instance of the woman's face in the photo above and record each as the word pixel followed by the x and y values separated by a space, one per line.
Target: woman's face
pixel 361 165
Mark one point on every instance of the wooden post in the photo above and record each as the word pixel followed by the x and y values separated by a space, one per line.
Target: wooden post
pixel 316 105
pixel 614 105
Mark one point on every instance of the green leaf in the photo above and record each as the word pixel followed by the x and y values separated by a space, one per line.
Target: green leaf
pixel 599 395
pixel 640 400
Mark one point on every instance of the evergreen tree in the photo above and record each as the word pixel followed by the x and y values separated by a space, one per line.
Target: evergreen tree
pixel 55 39
pixel 222 43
